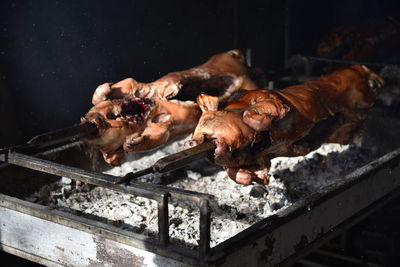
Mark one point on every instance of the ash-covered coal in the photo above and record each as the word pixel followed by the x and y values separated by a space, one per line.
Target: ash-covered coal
pixel 391 92
pixel 238 206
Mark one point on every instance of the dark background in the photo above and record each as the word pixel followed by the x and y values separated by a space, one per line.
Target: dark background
pixel 53 54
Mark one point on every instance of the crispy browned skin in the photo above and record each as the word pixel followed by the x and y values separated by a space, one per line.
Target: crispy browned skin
pixel 259 125
pixel 224 73
pixel 165 121
pixel 167 105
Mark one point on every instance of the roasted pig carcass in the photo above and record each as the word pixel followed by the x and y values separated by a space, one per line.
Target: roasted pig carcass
pixel 135 124
pixel 369 42
pixel 221 75
pixel 135 116
pixel 256 126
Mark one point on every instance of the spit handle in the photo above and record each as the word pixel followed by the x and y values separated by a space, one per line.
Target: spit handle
pixel 64 134
pixel 173 161
pixel 184 157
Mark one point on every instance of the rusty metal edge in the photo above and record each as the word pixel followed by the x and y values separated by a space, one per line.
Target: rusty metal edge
pixel 107 231
pixel 268 225
pixel 341 227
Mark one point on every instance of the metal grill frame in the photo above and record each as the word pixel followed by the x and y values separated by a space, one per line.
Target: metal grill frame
pixel 273 241
pixel 160 193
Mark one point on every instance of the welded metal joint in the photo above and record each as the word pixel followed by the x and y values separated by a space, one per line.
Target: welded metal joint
pixel 205 224
pixel 4 156
pixel 163 221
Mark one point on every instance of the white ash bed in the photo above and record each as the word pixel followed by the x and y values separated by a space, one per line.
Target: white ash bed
pixel 238 206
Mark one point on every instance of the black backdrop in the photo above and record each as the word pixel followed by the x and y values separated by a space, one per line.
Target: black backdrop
pixel 53 54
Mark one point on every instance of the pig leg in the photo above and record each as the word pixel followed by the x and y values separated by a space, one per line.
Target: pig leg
pixel 248 175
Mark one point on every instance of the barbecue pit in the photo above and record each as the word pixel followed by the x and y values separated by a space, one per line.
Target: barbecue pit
pixel 49 234
pixel 61 205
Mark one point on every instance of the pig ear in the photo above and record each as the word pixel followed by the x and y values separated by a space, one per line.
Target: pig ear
pixel 207 102
pixel 282 111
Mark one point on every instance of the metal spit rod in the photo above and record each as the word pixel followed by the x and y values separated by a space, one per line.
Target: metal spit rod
pixel 65 134
pixel 173 161
pixel 349 62
pixel 41 143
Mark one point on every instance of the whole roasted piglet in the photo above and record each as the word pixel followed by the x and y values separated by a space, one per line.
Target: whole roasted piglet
pixel 135 116
pixel 256 126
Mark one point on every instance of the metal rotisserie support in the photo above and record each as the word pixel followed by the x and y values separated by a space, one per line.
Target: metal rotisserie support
pixel 54 237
